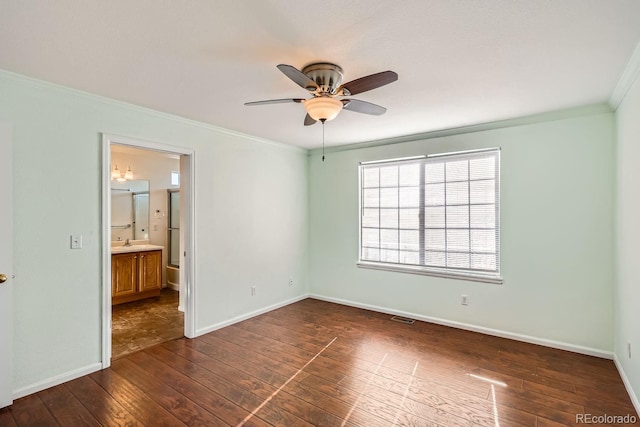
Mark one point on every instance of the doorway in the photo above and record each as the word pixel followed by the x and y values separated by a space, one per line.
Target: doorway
pixel 6 269
pixel 137 239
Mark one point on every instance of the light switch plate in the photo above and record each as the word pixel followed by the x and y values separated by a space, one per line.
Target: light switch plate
pixel 76 241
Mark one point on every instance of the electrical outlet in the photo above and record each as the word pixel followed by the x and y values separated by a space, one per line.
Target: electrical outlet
pixel 290 281
pixel 629 349
pixel 76 241
pixel 253 291
pixel 464 300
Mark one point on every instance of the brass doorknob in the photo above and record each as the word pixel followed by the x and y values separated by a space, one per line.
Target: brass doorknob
pixel 3 278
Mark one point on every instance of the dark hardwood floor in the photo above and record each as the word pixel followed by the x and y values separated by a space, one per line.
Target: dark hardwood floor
pixel 319 364
pixel 141 324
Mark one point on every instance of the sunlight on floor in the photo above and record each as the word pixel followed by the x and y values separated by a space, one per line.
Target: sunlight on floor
pixel 404 396
pixel 495 405
pixel 344 422
pixel 493 384
pixel 275 393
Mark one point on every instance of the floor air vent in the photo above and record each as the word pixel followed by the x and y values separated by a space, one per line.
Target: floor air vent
pixel 404 320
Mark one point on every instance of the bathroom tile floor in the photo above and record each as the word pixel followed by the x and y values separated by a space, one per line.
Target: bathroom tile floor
pixel 141 324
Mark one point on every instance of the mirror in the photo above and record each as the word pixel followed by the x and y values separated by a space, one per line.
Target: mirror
pixel 129 210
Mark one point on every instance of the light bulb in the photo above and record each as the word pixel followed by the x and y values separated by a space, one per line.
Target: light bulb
pixel 129 174
pixel 115 174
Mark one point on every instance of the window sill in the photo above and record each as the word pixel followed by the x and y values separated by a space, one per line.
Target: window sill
pixel 430 272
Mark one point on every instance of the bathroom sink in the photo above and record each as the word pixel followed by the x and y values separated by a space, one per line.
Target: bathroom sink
pixel 135 248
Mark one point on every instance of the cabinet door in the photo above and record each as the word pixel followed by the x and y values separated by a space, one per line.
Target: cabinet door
pixel 150 274
pixel 124 277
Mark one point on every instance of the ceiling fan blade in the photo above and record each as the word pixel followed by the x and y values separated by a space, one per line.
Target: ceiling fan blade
pixel 275 101
pixel 308 121
pixel 298 76
pixel 366 83
pixel 363 107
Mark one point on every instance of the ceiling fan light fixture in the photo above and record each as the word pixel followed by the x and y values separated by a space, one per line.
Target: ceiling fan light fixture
pixel 323 108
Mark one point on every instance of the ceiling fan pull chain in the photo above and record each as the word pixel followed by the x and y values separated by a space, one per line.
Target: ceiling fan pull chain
pixel 323 120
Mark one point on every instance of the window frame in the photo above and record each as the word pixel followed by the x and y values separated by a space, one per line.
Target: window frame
pixel 477 275
pixel 174 182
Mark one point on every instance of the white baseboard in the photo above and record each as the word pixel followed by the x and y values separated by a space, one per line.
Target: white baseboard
pixel 174 286
pixel 481 329
pixel 627 383
pixel 54 381
pixel 246 316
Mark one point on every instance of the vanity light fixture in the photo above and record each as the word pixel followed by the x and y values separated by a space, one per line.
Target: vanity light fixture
pixel 121 177
pixel 115 173
pixel 128 174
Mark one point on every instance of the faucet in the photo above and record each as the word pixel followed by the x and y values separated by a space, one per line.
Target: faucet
pixel 127 243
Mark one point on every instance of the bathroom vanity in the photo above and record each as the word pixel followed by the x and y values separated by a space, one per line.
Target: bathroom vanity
pixel 135 272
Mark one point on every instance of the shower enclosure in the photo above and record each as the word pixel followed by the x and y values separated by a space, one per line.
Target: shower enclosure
pixel 173 238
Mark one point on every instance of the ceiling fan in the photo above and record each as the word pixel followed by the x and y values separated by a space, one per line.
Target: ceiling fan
pixel 324 81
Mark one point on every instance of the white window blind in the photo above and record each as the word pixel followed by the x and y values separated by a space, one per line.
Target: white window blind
pixel 438 215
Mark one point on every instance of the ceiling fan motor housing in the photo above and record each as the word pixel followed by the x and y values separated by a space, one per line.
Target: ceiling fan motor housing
pixel 327 76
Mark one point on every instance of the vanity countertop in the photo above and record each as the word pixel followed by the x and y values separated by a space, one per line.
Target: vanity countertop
pixel 135 248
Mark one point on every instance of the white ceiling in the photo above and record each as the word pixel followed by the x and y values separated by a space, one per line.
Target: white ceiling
pixel 460 62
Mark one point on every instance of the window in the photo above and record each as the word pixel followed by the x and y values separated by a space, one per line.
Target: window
pixel 175 178
pixel 437 215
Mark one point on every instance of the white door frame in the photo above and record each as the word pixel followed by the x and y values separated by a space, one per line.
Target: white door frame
pixel 187 190
pixel 6 268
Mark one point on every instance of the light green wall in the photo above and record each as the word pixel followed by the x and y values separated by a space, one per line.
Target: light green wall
pixel 265 212
pixel 251 220
pixel 627 290
pixel 557 228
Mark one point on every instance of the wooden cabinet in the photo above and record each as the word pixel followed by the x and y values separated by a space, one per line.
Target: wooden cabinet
pixel 135 275
pixel 149 271
pixel 124 274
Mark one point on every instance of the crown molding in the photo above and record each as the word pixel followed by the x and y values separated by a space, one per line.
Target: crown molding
pixel 41 84
pixel 627 78
pixel 567 113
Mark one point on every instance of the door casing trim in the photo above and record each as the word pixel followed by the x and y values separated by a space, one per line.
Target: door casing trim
pixel 187 189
